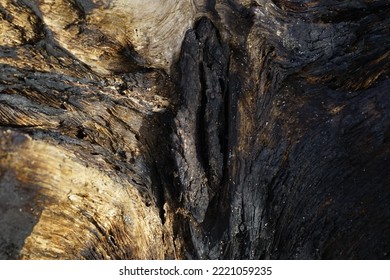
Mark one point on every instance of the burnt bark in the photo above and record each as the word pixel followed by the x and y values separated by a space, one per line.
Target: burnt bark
pixel 265 136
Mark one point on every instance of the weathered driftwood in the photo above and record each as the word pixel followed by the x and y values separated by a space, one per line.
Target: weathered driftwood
pixel 194 129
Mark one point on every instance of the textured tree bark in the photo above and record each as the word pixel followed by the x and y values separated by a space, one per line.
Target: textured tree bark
pixel 194 129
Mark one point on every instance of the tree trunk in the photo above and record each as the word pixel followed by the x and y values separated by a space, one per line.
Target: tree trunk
pixel 194 129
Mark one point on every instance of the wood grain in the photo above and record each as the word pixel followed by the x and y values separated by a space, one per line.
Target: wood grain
pixel 221 129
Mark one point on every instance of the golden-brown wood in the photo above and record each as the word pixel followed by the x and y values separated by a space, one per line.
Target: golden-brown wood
pixel 194 129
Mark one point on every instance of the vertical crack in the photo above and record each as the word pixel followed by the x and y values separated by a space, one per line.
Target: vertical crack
pixel 202 126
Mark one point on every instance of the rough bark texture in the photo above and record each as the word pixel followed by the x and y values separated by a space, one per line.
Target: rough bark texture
pixel 194 129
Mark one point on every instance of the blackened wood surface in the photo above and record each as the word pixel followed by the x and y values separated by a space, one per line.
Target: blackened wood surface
pixel 262 132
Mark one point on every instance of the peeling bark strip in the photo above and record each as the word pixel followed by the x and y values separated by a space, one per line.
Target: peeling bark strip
pixel 227 129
